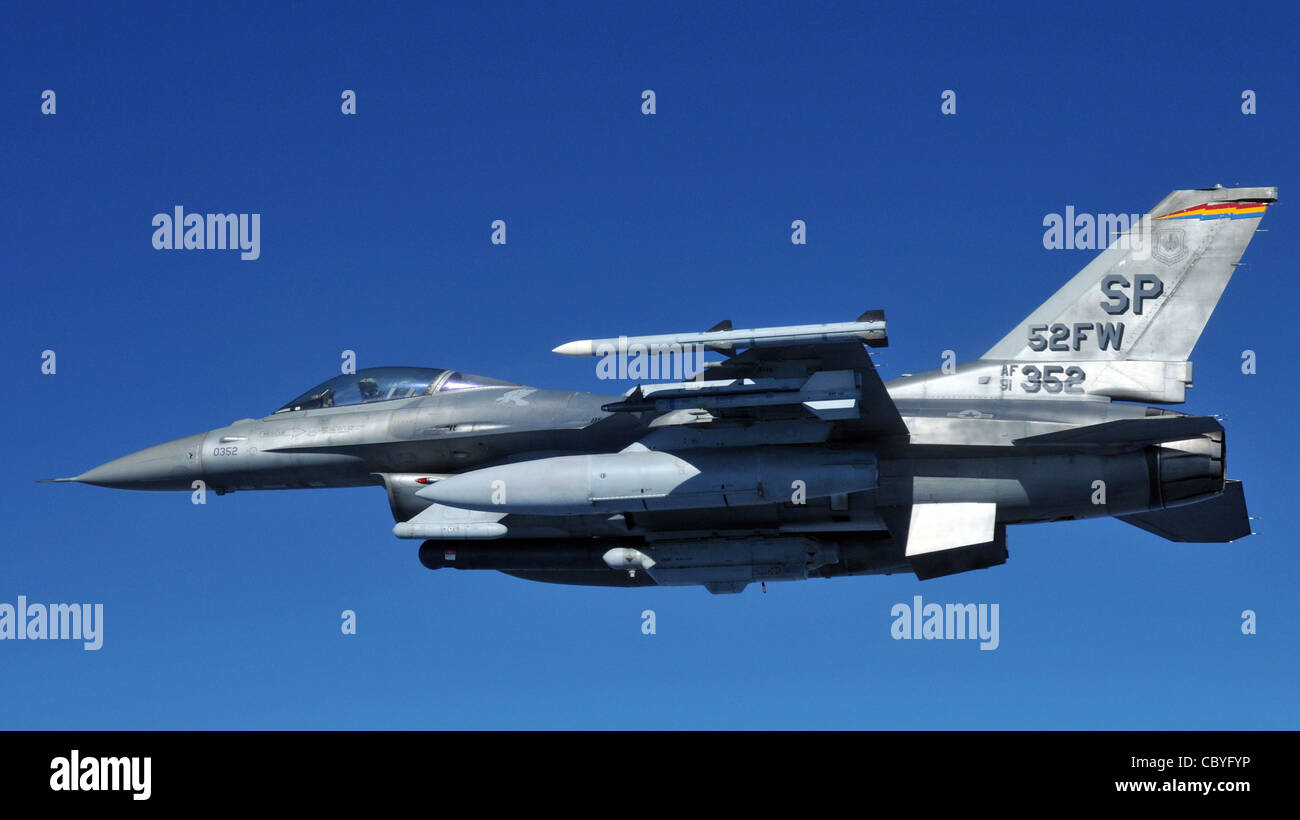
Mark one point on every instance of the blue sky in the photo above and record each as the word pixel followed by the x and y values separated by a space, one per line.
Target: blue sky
pixel 375 238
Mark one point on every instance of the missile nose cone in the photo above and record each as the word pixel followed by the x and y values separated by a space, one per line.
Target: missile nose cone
pixel 579 348
pixel 170 466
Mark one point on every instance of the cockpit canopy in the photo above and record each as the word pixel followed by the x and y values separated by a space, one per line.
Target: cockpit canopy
pixel 373 384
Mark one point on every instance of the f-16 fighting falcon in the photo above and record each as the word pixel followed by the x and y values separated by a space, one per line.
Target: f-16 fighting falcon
pixel 789 458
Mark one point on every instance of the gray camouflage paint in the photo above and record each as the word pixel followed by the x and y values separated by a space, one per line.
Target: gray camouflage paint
pixel 1121 329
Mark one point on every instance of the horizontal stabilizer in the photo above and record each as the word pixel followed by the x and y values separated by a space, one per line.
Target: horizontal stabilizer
pixel 1151 430
pixel 1216 520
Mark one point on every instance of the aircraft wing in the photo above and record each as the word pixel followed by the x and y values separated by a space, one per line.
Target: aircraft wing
pixel 782 373
pixel 876 414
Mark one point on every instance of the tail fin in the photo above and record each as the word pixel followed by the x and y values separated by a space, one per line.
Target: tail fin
pixel 1148 296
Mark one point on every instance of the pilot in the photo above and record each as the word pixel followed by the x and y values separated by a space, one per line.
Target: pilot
pixel 369 388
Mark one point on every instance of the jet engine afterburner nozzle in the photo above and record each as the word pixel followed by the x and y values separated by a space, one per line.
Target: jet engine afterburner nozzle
pixel 1190 470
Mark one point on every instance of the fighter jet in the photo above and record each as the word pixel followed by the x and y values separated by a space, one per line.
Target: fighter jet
pixel 788 457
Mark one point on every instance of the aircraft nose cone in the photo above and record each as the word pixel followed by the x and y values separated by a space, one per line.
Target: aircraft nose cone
pixel 170 466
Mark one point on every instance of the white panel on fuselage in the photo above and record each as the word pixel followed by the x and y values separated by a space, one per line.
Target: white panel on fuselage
pixel 936 527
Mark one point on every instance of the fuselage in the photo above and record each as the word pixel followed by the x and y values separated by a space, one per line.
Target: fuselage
pixel 959 450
